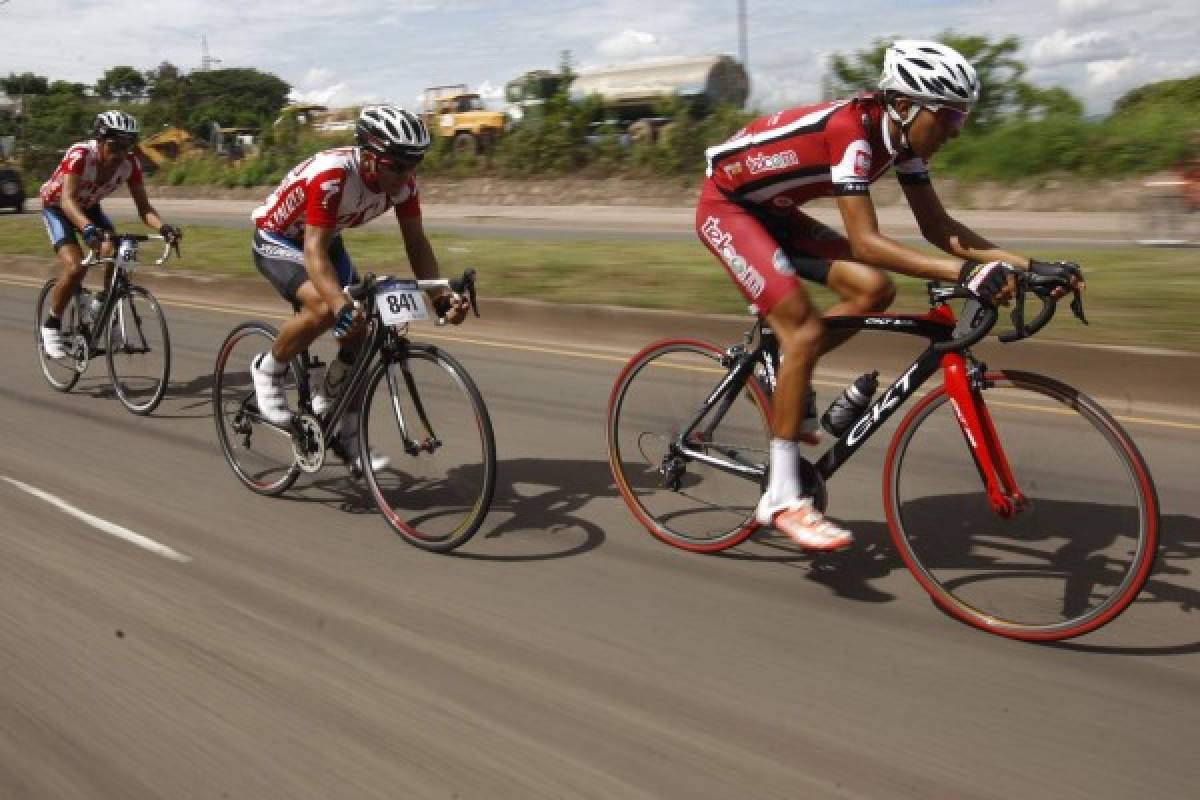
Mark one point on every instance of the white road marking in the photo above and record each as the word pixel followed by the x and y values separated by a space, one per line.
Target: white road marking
pixel 102 525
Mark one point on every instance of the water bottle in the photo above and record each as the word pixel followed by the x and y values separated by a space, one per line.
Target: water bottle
pixel 88 305
pixel 850 404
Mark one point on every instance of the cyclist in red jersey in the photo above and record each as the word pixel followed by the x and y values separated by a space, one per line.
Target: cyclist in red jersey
pixel 89 172
pixel 749 217
pixel 298 248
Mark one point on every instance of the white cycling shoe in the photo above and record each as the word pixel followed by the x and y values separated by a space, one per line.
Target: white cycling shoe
pixel 54 343
pixel 801 522
pixel 268 389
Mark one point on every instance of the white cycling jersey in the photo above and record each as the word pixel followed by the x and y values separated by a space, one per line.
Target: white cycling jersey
pixel 329 190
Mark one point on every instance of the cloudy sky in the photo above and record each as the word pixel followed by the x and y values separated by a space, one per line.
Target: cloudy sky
pixel 353 51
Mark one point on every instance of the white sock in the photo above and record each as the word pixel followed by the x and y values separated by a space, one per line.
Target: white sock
pixel 269 365
pixel 784 486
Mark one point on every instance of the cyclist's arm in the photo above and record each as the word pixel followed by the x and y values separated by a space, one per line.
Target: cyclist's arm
pixel 871 247
pixel 320 267
pixel 417 246
pixel 146 211
pixel 70 205
pixel 948 234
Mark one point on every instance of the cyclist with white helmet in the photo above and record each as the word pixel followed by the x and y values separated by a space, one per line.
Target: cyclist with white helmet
pixel 298 248
pixel 89 172
pixel 749 217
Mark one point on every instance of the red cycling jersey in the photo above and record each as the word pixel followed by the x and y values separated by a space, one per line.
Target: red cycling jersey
pixel 748 215
pixel 83 159
pixel 329 190
pixel 790 157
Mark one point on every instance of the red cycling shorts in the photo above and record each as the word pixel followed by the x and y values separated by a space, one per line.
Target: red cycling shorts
pixel 766 253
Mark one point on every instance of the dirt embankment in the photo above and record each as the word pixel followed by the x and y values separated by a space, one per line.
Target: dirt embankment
pixel 1039 195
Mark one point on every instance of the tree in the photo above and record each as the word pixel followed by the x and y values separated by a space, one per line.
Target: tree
pixel 25 83
pixel 231 97
pixel 67 88
pixel 121 84
pixel 1180 92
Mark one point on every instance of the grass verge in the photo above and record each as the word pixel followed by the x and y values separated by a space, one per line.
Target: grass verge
pixel 1136 296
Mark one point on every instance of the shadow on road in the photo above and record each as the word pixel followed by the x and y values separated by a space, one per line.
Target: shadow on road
pixel 539 496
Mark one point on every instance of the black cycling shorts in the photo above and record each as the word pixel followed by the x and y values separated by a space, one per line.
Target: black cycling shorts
pixel 281 261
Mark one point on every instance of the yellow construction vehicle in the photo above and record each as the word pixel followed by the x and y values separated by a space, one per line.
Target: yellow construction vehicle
pixel 456 114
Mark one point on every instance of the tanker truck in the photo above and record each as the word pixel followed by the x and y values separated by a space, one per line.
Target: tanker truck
pixel 632 95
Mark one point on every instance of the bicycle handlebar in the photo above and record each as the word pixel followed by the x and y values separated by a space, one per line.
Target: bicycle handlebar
pixel 978 319
pixel 93 256
pixel 365 288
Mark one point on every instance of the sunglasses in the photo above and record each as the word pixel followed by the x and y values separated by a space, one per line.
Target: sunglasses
pixel 120 142
pixel 398 165
pixel 953 118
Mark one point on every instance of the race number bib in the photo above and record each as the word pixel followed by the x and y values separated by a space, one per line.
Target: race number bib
pixel 400 302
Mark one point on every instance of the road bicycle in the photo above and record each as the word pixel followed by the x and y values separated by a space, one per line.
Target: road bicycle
pixel 417 406
pixel 1021 506
pixel 127 326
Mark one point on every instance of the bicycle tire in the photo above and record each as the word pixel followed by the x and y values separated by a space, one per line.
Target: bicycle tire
pixel 428 497
pixel 60 373
pixel 127 337
pixel 269 467
pixel 644 417
pixel 1068 563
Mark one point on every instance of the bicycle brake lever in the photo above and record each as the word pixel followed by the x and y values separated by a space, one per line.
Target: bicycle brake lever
pixel 1077 306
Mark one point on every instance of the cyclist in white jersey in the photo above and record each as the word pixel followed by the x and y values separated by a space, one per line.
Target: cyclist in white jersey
pixel 298 248
pixel 89 172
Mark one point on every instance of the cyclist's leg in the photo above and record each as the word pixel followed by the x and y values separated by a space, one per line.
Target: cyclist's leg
pixel 70 254
pixel 823 255
pixel 767 278
pixel 281 262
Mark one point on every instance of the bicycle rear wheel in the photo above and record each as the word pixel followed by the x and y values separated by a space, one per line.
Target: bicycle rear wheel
pixel 1072 559
pixel 680 500
pixel 433 427
pixel 260 454
pixel 61 373
pixel 138 351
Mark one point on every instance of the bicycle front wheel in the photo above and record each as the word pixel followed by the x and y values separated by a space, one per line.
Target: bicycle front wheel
pixel 1071 559
pixel 682 501
pixel 138 351
pixel 426 419
pixel 61 373
pixel 259 453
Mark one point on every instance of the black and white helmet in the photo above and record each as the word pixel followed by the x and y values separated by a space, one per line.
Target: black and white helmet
pixel 929 71
pixel 115 123
pixel 391 131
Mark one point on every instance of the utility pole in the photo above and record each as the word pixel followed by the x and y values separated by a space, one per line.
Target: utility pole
pixel 206 61
pixel 743 46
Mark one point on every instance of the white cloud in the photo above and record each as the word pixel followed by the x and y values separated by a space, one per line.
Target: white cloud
pixel 324 96
pixel 629 44
pixel 1093 11
pixel 1061 47
pixel 317 76
pixel 1103 73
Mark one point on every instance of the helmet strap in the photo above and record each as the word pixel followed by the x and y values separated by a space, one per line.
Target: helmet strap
pixel 904 122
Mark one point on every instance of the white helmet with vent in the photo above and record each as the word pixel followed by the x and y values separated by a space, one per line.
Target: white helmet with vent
pixel 929 71
pixel 115 123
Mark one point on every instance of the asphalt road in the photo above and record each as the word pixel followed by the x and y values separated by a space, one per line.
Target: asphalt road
pixel 294 648
pixel 1091 229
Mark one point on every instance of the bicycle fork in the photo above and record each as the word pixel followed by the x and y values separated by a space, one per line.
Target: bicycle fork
pixel 964 386
pixel 413 447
